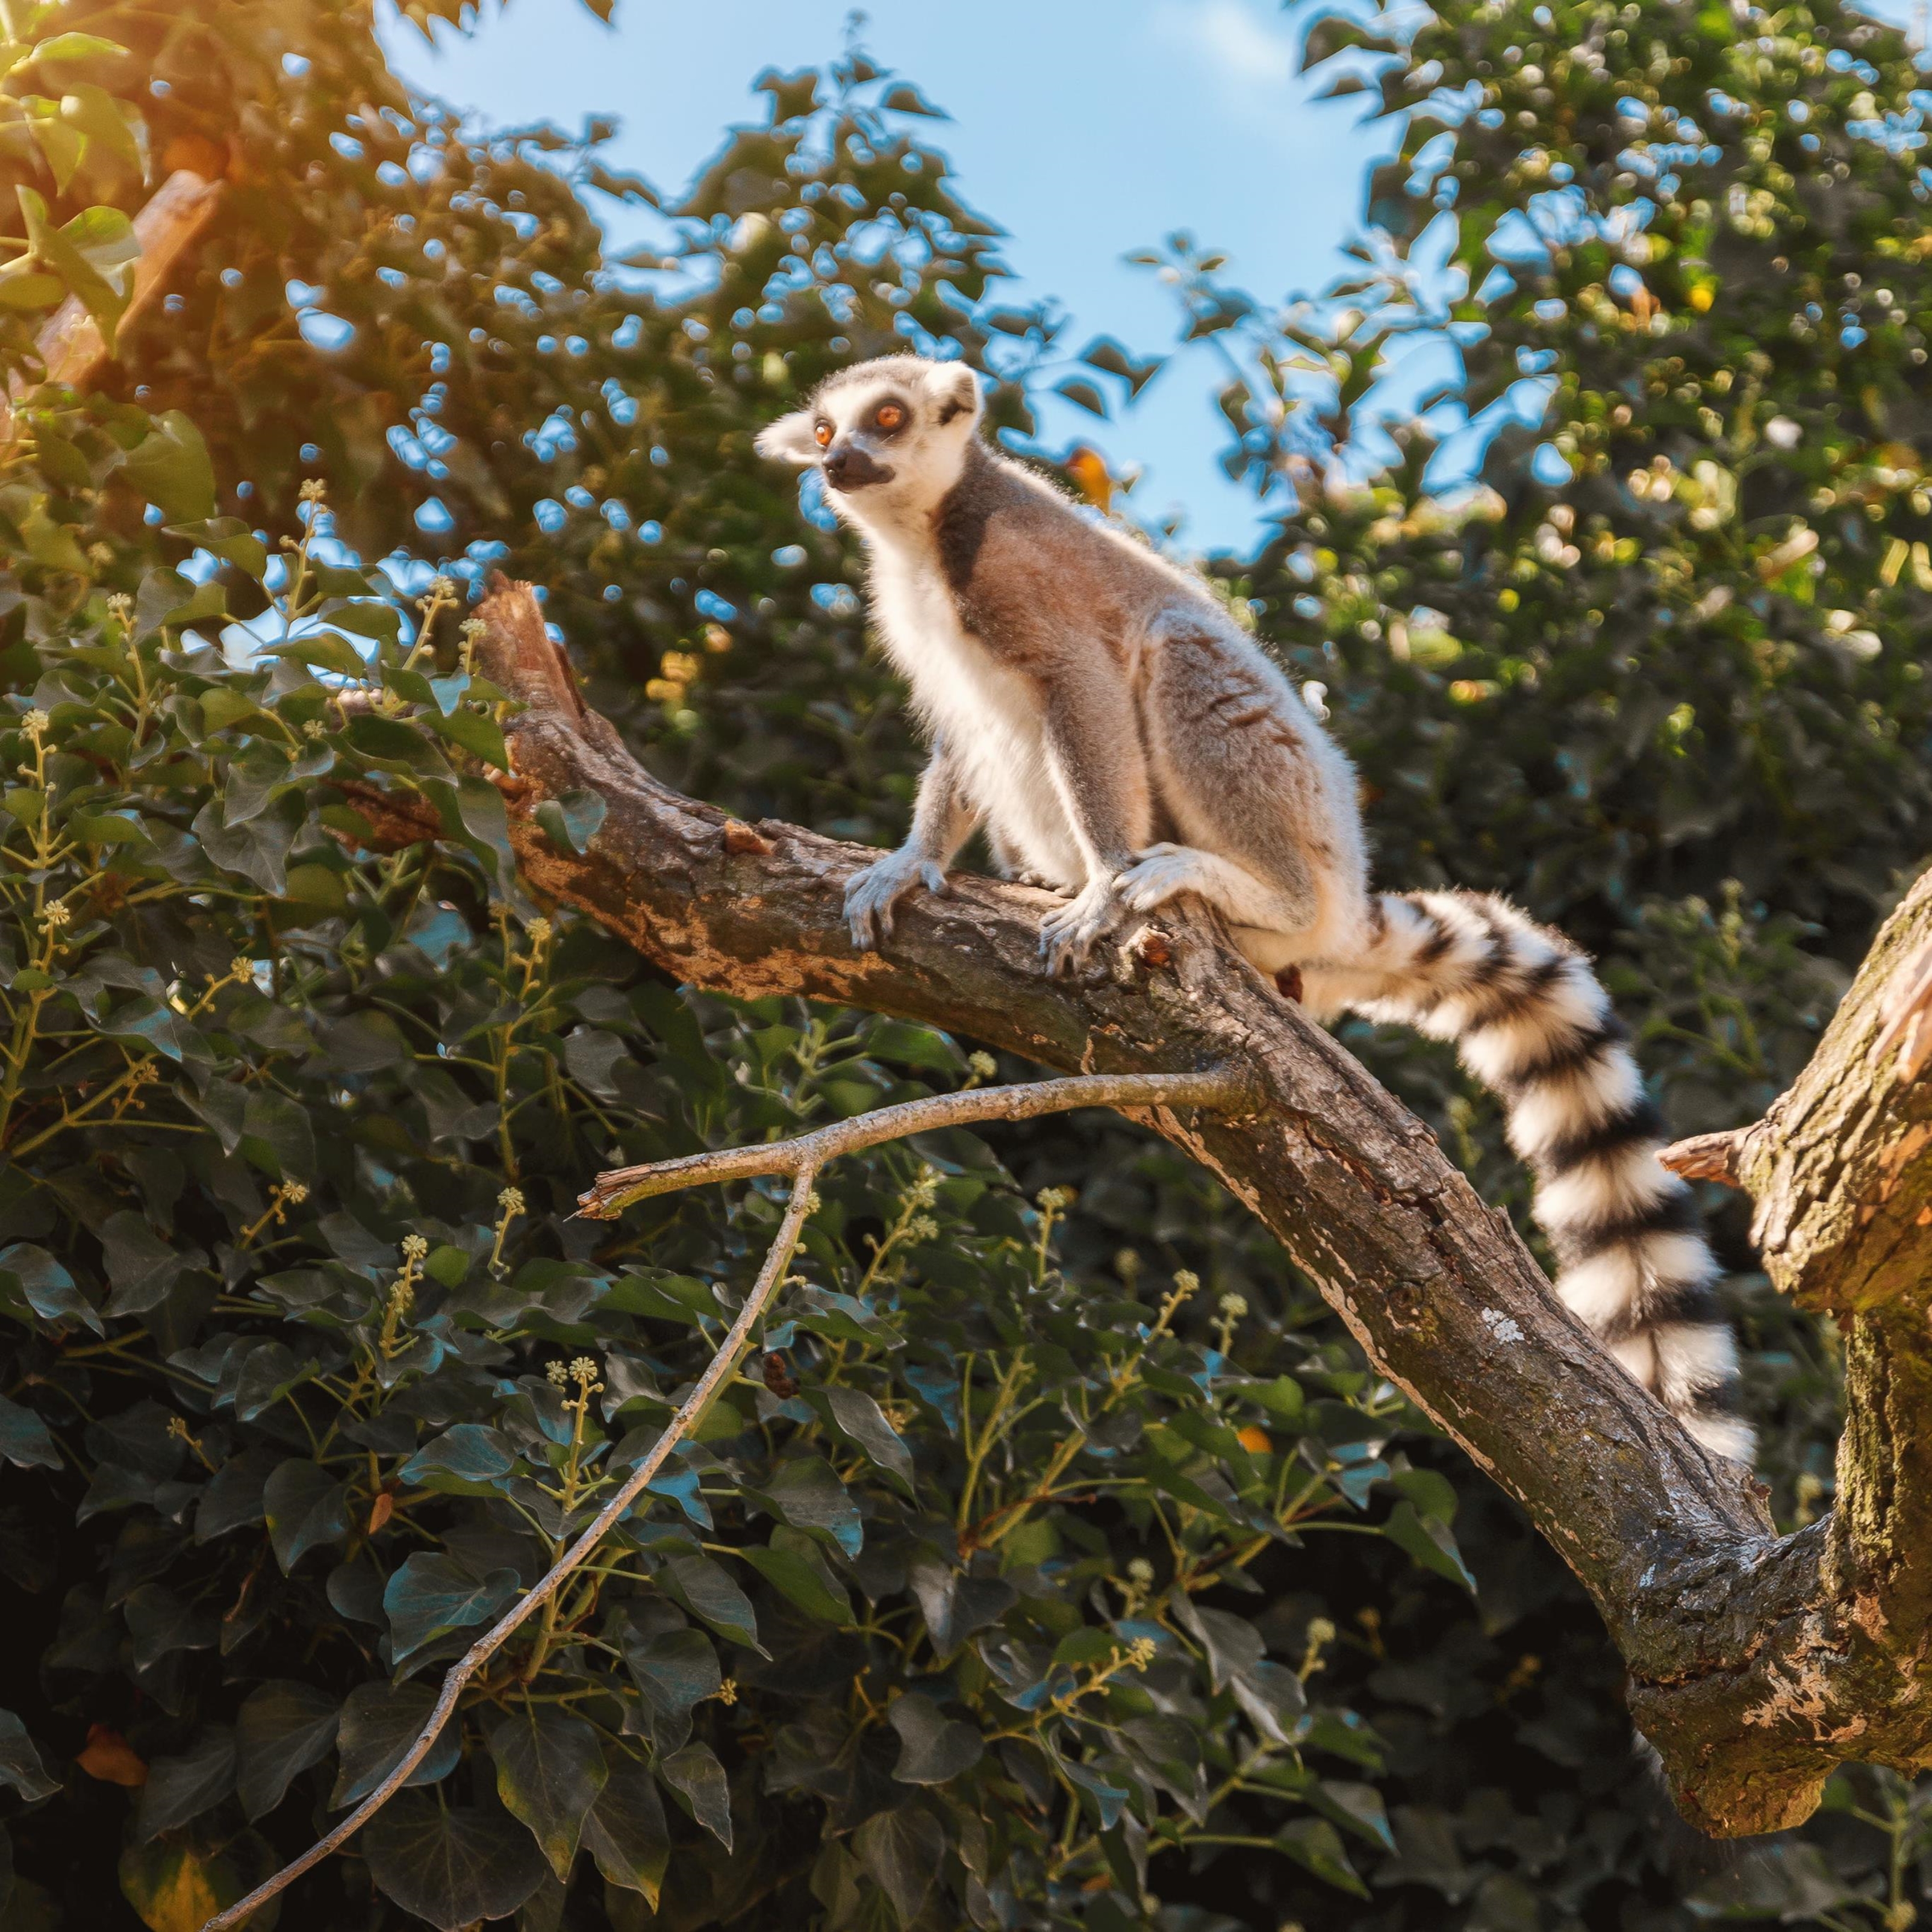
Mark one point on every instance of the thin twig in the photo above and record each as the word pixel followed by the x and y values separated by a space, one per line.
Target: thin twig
pixel 723 1364
pixel 623 1186
pixel 801 1158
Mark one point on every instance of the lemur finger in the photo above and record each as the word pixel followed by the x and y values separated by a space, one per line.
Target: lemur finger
pixel 933 878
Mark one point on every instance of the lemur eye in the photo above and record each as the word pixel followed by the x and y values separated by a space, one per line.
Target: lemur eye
pixel 890 416
pixel 821 433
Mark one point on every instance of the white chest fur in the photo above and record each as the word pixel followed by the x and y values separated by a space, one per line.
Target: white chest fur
pixel 987 716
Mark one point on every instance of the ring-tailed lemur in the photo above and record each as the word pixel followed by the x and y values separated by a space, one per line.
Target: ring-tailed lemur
pixel 1122 740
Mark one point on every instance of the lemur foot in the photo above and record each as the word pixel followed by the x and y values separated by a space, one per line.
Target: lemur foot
pixel 871 894
pixel 1160 873
pixel 1067 934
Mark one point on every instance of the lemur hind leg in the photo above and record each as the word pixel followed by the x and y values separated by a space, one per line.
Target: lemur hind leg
pixel 1244 780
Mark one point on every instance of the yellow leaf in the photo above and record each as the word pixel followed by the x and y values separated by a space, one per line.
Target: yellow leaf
pixel 172 1888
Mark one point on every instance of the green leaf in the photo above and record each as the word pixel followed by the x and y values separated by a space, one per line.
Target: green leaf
pixel 432 1595
pixel 550 1770
pixel 806 1494
pixel 706 1591
pixel 307 1509
pixel 282 1729
pixel 107 828
pixel 625 1831
pixel 25 1440
pixel 20 1765
pixel 466 1460
pixel 75 50
pixel 902 1851
pixel 855 1414
pixel 1430 1543
pixel 447 1867
pixel 1314 1843
pixel 571 821
pixel 933 1748
pixel 171 468
pixel 32 1275
pixel 322 650
pixel 379 1723
pixel 1355 1807
pixel 1077 390
pixel 180 1788
pixel 676 1670
pixel 141 1266
pixel 478 734
pixel 695 1774
pixel 798 1571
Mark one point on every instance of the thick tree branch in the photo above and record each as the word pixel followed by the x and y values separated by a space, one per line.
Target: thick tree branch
pixel 1757 1663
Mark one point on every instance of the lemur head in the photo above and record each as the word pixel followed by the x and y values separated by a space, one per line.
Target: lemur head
pixel 888 436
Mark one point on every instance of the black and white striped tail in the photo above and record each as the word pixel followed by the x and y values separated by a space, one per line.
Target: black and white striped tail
pixel 1532 1023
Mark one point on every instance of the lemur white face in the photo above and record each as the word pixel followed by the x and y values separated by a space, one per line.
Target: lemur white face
pixel 889 434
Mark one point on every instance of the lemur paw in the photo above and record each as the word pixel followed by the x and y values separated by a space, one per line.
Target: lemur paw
pixel 1068 933
pixel 1160 873
pixel 871 894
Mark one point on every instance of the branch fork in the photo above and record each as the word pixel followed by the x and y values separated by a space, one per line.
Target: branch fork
pixel 1758 1663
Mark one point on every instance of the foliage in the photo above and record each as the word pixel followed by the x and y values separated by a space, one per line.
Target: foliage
pixel 295 1129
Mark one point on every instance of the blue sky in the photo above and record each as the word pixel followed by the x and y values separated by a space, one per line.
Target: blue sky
pixel 1087 127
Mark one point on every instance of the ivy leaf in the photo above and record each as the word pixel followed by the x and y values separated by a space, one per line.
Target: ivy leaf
pixel 20 1764
pixel 571 821
pixel 796 1570
pixel 806 1494
pixel 464 1461
pixel 550 1771
pixel 626 1832
pixel 1314 1843
pixel 1355 1807
pixel 902 1851
pixel 25 1439
pixel 32 1275
pixel 933 1748
pixel 177 1886
pixel 1429 1541
pixel 180 1788
pixel 855 1414
pixel 282 1729
pixel 379 1722
pixel 141 1266
pixel 171 468
pixel 676 1670
pixel 307 1509
pixel 432 1595
pixel 92 254
pixel 704 1589
pixel 450 1867
pixel 695 1774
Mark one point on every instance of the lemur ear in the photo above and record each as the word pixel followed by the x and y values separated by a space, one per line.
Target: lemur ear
pixel 790 439
pixel 958 388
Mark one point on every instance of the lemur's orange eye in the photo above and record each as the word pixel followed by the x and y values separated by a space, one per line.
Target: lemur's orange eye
pixel 890 416
pixel 822 433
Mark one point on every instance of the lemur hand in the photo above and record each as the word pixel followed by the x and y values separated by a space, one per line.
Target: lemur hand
pixel 1067 933
pixel 871 896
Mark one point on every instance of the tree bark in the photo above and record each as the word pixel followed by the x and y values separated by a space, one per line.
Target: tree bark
pixel 1757 1663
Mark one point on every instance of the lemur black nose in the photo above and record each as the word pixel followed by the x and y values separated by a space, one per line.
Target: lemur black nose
pixel 848 467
